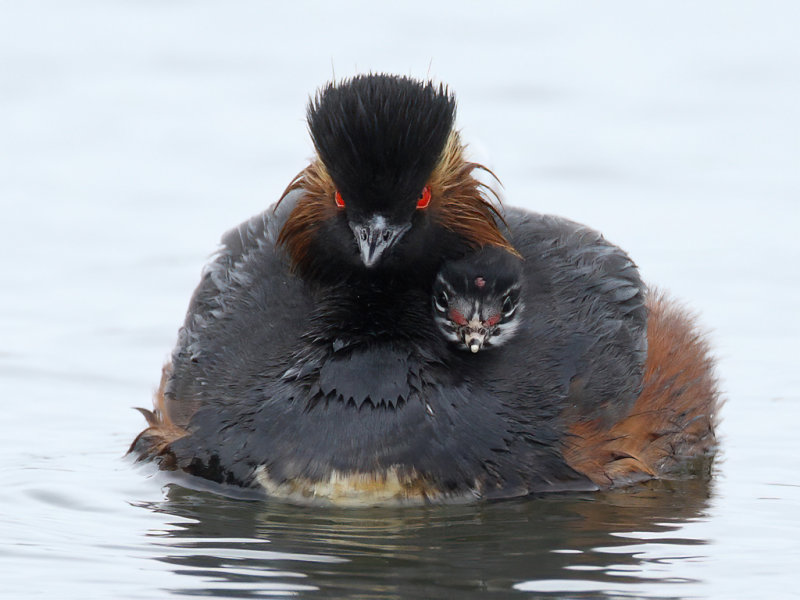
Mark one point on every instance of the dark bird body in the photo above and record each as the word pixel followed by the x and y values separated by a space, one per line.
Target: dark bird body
pixel 310 365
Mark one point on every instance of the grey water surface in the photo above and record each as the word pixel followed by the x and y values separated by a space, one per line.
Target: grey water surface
pixel 133 133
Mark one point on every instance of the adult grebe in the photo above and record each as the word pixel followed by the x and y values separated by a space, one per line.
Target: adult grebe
pixel 311 365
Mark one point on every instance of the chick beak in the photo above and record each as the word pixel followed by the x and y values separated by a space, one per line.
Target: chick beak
pixel 474 341
pixel 375 237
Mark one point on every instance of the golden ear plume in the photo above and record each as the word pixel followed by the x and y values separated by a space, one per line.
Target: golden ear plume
pixel 461 203
pixel 315 207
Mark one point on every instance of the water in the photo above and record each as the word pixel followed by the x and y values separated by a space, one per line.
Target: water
pixel 132 134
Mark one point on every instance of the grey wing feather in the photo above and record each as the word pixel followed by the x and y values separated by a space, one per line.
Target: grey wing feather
pixel 246 284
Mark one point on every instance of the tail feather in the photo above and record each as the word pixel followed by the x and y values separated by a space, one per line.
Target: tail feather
pixel 672 421
pixel 161 431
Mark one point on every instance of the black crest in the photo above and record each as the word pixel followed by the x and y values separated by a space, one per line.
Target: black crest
pixel 380 136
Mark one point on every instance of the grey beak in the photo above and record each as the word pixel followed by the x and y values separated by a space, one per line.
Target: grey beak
pixel 375 237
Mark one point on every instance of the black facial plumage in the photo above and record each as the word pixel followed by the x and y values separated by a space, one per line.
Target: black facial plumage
pixel 380 136
pixel 500 270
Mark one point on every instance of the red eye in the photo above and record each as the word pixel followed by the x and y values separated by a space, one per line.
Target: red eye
pixel 424 198
pixel 339 201
pixel 493 320
pixel 457 317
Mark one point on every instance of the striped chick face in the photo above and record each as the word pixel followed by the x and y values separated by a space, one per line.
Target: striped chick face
pixel 475 309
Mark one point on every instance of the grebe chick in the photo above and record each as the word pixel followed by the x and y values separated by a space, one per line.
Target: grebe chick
pixel 477 299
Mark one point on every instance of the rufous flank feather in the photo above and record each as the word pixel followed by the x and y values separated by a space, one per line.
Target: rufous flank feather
pixel 161 431
pixel 673 419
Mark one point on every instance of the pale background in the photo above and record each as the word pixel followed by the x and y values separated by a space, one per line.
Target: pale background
pixel 134 133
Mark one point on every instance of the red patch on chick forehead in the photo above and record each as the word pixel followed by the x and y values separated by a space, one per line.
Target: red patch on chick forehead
pixel 480 282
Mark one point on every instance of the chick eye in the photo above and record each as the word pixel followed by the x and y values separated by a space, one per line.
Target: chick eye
pixel 508 305
pixel 441 300
pixel 424 198
pixel 338 198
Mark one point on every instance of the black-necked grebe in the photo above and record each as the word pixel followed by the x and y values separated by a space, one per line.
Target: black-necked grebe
pixel 311 365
